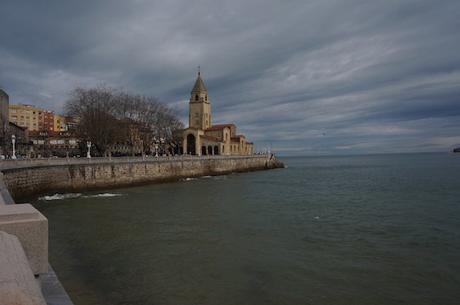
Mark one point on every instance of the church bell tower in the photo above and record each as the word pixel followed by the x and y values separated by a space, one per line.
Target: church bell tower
pixel 199 106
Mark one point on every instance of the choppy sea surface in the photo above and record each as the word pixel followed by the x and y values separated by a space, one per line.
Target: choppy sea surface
pixel 377 229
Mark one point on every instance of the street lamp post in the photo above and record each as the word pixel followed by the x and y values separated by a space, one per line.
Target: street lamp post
pixel 13 141
pixel 88 153
pixel 156 146
pixel 162 147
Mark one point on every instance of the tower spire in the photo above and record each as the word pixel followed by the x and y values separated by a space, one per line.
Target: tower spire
pixel 199 84
pixel 199 105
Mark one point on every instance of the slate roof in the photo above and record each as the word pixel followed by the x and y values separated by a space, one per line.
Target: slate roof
pixel 3 93
pixel 17 126
pixel 199 85
pixel 220 127
pixel 210 138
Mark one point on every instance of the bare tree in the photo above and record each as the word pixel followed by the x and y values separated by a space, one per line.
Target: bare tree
pixel 107 116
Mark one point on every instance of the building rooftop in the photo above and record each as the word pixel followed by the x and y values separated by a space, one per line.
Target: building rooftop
pixel 199 85
pixel 3 93
pixel 220 127
pixel 210 138
pixel 17 126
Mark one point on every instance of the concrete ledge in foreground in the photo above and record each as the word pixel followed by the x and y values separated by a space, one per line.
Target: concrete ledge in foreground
pixel 31 228
pixel 18 285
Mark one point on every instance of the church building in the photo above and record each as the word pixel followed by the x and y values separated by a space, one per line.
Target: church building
pixel 204 138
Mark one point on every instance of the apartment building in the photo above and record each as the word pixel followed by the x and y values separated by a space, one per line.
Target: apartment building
pixel 27 116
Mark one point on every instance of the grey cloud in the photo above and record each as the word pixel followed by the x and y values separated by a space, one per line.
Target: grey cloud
pixel 323 76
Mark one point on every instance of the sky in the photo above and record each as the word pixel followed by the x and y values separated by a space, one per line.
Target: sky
pixel 302 77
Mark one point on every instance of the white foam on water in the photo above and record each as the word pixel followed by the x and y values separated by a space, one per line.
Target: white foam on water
pixel 189 179
pixel 77 195
pixel 103 195
pixel 60 196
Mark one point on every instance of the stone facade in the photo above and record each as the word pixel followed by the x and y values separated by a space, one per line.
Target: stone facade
pixel 203 138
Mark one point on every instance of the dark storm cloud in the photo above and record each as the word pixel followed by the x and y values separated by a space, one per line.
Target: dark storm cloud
pixel 303 76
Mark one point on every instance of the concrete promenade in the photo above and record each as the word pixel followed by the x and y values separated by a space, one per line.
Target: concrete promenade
pixel 25 274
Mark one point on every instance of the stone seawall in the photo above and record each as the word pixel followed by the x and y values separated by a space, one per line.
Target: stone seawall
pixel 41 178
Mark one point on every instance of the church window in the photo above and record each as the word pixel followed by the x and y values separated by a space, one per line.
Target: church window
pixel 196 97
pixel 206 98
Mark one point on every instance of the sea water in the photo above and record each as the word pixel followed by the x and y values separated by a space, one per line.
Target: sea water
pixel 375 229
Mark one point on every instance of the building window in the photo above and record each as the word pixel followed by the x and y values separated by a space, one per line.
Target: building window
pixel 196 97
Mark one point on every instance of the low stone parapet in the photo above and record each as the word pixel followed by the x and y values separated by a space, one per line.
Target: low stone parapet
pixel 31 228
pixel 5 196
pixel 18 285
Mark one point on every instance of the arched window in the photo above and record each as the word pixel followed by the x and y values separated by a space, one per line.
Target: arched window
pixel 190 149
pixel 206 97
pixel 196 97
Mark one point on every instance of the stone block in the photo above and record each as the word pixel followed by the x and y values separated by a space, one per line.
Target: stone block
pixel 5 197
pixel 31 228
pixel 17 282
